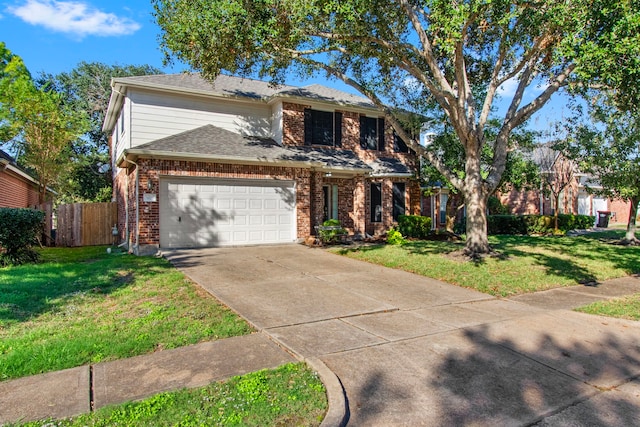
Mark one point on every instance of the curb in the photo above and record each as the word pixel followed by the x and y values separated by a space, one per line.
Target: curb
pixel 337 415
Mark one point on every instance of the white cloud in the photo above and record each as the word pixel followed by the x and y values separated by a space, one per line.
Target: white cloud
pixel 508 88
pixel 73 17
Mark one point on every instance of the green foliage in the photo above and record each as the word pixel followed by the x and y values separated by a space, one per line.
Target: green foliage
pixel 19 230
pixel 86 89
pixel 536 224
pixel 394 237
pixel 506 224
pixel 12 69
pixel 414 226
pixel 409 56
pixel 333 234
pixel 288 395
pixel 42 129
pixel 496 207
pixel 608 149
pixel 83 305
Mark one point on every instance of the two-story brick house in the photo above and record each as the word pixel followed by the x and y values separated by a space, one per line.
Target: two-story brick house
pixel 241 162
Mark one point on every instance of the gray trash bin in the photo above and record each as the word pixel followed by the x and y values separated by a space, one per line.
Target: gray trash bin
pixel 603 219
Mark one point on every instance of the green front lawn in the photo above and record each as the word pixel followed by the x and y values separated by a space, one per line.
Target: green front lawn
pixel 528 264
pixel 82 305
pixel 291 395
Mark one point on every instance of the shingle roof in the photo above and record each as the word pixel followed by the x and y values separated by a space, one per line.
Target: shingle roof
pixel 216 142
pixel 389 166
pixel 323 93
pixel 5 156
pixel 244 87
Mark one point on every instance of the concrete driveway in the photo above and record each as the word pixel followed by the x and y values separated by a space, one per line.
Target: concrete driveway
pixel 410 350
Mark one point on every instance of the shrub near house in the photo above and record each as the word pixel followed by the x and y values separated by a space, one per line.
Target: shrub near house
pixel 19 229
pixel 536 224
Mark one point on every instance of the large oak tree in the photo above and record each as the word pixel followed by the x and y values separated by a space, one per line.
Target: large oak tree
pixel 406 54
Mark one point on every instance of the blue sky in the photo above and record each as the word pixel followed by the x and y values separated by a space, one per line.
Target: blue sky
pixel 54 36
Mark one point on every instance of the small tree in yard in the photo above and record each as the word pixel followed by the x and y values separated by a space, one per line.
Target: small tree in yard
pixel 19 229
pixel 609 149
pixel 557 172
pixel 407 54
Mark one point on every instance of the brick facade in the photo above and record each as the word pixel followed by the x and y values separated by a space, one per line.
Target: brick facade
pixel 353 189
pixel 152 170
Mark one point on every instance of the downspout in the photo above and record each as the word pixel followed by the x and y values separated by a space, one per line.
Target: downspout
pixel 137 205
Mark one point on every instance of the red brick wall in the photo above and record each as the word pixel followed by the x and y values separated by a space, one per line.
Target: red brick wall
pixel 293 134
pixel 16 192
pixel 293 123
pixel 622 210
pixel 521 202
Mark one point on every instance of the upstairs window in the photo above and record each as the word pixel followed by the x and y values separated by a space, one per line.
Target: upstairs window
pixel 322 128
pixel 372 133
pixel 398 144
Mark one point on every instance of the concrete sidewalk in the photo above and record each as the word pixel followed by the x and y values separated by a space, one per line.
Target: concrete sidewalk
pixel 408 350
pixel 72 391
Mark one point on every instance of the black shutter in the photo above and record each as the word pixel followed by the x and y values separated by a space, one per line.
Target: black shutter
pixel 381 134
pixel 308 126
pixel 337 129
pixel 363 133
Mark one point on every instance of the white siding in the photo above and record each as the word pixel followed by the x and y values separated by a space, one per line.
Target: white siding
pixel 121 132
pixel 158 115
pixel 276 123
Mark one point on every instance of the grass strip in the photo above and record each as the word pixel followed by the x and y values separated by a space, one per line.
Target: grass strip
pixel 624 308
pixel 291 395
pixel 83 305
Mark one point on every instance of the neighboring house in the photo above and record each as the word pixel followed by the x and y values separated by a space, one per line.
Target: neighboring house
pixel 574 197
pixel 18 189
pixel 241 162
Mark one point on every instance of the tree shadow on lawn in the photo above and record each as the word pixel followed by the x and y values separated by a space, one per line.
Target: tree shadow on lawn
pixel 484 376
pixel 27 292
pixel 619 257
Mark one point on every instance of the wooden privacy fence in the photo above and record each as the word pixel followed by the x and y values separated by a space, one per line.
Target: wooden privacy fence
pixel 86 224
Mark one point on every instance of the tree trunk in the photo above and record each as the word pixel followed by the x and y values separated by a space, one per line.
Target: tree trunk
pixel 630 235
pixel 477 242
pixel 555 213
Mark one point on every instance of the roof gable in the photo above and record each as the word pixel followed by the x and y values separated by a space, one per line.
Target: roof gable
pixel 226 87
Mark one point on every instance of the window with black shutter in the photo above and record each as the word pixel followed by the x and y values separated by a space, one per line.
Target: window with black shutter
pixel 398 199
pixel 376 202
pixel 322 128
pixel 398 144
pixel 372 133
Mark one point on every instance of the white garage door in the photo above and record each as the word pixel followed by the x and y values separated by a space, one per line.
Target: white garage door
pixel 205 212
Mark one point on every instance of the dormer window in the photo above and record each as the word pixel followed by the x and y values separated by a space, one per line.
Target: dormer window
pixel 322 128
pixel 372 133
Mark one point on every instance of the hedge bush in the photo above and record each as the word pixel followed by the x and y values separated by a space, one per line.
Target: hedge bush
pixel 415 226
pixel 19 229
pixel 506 224
pixel 536 224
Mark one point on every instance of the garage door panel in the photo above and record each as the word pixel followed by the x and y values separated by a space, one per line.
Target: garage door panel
pixel 216 212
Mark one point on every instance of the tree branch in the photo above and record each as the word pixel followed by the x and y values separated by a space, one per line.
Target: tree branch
pixel 430 156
